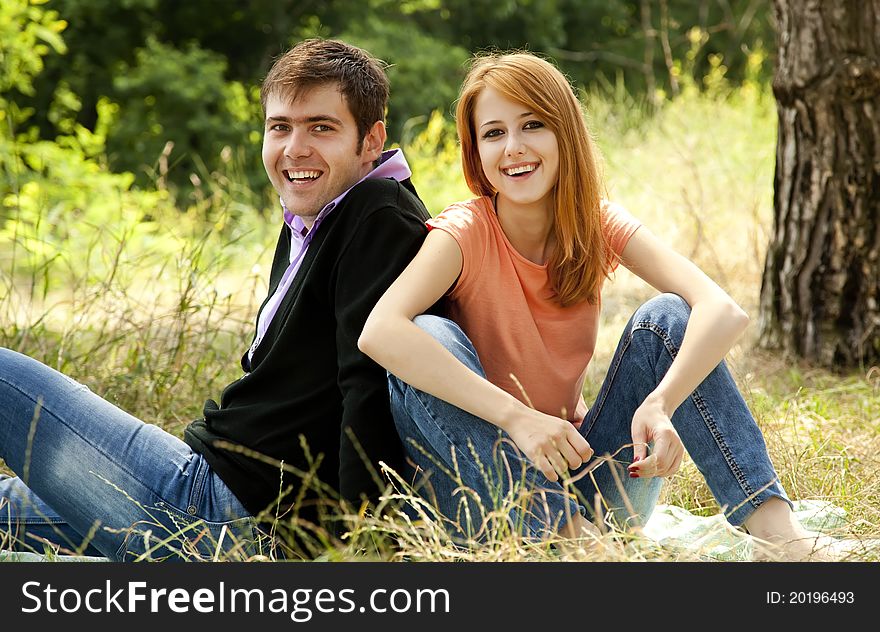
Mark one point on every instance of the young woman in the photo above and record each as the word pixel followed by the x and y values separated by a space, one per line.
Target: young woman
pixel 522 268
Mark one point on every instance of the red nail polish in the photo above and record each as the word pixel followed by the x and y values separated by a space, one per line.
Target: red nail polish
pixel 637 459
pixel 632 475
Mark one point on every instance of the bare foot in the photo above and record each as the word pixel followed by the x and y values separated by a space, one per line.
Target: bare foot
pixel 580 538
pixel 809 546
pixel 580 527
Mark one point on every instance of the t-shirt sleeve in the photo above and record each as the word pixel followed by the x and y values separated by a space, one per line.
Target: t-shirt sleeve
pixel 619 225
pixel 471 232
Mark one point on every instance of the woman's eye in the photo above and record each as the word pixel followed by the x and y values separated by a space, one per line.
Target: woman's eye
pixel 492 133
pixel 533 125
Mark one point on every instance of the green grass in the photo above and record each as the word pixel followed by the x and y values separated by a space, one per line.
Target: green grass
pixel 152 310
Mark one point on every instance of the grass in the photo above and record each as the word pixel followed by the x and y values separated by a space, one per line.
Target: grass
pixel 155 320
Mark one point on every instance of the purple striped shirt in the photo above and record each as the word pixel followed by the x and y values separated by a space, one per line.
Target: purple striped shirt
pixel 392 165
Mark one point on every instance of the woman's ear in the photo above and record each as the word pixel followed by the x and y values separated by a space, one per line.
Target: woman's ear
pixel 374 142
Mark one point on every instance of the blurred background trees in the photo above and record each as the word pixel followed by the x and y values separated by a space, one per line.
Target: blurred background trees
pixel 174 83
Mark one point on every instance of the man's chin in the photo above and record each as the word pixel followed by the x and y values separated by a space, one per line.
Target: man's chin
pixel 306 215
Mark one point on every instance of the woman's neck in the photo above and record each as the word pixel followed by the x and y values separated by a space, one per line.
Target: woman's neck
pixel 528 227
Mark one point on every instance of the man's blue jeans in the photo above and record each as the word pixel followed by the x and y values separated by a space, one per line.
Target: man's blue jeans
pixel 95 480
pixel 473 471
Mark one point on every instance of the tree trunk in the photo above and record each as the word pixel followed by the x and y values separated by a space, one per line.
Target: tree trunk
pixel 820 297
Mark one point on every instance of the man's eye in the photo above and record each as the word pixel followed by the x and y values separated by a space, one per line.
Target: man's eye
pixel 278 127
pixel 322 128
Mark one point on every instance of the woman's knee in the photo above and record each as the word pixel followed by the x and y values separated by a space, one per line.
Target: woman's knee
pixel 667 311
pixel 666 305
pixel 452 337
pixel 440 328
pixel 9 360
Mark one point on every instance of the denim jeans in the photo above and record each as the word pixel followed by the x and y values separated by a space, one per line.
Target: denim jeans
pixel 94 480
pixel 473 471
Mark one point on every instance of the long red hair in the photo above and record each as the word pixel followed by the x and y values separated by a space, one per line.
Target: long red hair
pixel 582 257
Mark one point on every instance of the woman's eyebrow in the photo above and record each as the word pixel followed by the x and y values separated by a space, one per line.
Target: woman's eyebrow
pixel 523 115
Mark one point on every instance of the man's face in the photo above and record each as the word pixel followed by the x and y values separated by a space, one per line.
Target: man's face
pixel 311 151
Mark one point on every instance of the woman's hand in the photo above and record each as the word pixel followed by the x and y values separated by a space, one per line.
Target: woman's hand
pixel 651 423
pixel 552 444
pixel 580 413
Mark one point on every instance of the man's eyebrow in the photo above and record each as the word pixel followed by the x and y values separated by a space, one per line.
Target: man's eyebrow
pixel 318 118
pixel 523 115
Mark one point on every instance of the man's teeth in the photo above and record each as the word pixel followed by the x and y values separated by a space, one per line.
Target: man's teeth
pixel 302 175
pixel 522 169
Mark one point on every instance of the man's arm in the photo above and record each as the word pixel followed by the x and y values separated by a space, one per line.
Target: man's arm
pixel 383 245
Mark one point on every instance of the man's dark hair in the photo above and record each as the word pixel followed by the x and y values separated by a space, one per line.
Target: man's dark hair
pixel 313 62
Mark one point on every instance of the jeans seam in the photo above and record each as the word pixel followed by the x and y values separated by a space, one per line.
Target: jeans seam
pixel 705 414
pixel 612 375
pixel 703 409
pixel 35 520
pixel 198 487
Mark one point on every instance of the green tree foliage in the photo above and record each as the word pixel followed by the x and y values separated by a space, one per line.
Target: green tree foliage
pixel 28 33
pixel 424 71
pixel 178 70
pixel 183 73
pixel 179 111
pixel 640 40
pixel 61 183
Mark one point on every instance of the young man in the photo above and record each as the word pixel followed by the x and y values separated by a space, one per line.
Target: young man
pixel 310 406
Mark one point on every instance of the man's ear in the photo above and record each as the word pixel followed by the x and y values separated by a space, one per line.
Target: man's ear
pixel 374 142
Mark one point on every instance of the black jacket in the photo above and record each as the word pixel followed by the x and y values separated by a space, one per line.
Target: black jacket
pixel 309 383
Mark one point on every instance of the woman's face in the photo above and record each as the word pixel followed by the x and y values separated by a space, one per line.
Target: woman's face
pixel 518 152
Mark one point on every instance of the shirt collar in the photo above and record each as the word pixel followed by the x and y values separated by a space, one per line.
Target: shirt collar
pixel 392 164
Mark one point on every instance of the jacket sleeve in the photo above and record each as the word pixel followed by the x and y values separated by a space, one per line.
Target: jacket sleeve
pixel 383 244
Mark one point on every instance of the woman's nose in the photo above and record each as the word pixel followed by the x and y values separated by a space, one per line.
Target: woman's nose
pixel 515 145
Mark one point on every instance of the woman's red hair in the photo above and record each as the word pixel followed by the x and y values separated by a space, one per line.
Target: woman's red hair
pixel 581 259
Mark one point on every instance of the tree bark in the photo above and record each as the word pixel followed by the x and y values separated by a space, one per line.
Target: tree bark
pixel 821 285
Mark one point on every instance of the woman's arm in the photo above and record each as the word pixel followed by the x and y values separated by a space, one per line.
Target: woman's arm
pixel 715 323
pixel 395 342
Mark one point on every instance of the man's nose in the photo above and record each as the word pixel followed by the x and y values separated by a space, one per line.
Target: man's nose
pixel 297 145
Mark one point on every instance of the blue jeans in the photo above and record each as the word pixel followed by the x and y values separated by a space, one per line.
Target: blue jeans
pixel 94 480
pixel 473 471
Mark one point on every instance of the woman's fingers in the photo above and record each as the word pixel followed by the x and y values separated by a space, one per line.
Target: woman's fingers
pixel 580 445
pixel 575 453
pixel 554 446
pixel 547 468
pixel 664 460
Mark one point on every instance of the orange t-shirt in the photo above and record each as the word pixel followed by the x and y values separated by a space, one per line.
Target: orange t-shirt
pixel 501 301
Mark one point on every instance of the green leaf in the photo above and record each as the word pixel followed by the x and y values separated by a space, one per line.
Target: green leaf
pixel 52 38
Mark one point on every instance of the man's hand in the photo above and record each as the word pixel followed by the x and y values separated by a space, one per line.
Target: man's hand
pixel 651 423
pixel 552 444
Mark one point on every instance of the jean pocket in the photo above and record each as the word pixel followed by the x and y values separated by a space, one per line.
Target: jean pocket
pixel 168 533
